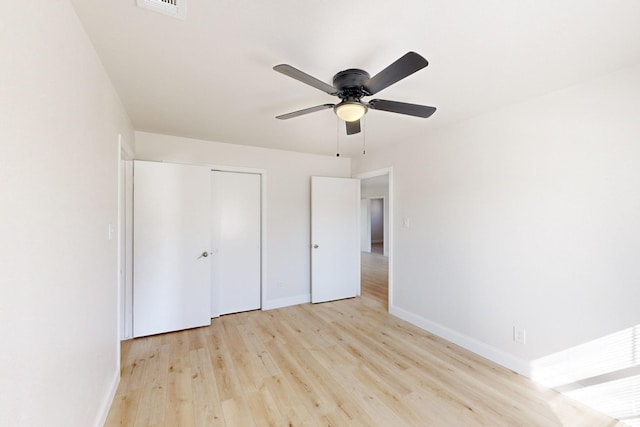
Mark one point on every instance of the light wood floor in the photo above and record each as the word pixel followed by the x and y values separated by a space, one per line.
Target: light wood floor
pixel 344 363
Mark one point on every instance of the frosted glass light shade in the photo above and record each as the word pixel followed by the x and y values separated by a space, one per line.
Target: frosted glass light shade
pixel 350 111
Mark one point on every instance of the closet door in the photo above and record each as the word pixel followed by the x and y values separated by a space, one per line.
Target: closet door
pixel 236 242
pixel 172 262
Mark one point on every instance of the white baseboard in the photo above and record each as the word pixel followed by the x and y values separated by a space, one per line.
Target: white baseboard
pixel 286 302
pixel 495 355
pixel 108 401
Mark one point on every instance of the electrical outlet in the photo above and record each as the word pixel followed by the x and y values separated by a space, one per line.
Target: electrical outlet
pixel 519 335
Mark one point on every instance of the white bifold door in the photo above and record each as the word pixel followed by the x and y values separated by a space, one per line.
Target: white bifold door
pixel 335 238
pixel 235 238
pixel 196 245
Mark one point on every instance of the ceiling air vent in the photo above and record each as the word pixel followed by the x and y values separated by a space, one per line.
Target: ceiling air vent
pixel 175 8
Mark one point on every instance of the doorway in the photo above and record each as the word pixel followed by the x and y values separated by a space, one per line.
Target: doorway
pixel 376 210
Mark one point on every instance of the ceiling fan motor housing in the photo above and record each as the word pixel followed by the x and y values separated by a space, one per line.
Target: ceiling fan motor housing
pixel 349 84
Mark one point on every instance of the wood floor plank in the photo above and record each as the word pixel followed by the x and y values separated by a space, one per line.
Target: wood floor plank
pixel 124 408
pixel 179 409
pixel 307 393
pixel 153 393
pixel 263 364
pixel 134 358
pixel 287 401
pixel 244 368
pixel 222 362
pixel 237 413
pixel 264 411
pixel 206 400
pixel 342 363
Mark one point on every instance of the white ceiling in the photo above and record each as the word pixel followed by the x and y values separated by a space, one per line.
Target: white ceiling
pixel 210 76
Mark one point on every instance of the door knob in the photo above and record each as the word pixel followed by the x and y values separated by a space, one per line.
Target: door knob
pixel 204 254
pixel 315 246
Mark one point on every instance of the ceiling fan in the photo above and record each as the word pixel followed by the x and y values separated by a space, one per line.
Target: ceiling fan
pixel 353 84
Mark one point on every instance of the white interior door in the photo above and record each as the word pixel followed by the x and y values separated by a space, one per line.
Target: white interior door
pixel 236 242
pixel 172 279
pixel 335 238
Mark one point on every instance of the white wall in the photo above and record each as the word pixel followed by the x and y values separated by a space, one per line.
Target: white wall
pixel 288 201
pixel 526 216
pixel 60 119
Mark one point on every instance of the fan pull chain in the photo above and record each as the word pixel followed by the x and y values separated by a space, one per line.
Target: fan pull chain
pixel 364 137
pixel 337 137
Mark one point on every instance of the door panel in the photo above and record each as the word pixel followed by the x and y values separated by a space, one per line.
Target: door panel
pixel 236 242
pixel 172 281
pixel 335 238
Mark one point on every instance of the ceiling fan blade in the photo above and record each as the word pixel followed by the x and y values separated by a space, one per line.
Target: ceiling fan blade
pixel 305 111
pixel 402 108
pixel 292 72
pixel 403 67
pixel 353 127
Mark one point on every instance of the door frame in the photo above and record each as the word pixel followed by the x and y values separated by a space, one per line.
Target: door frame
pixel 125 241
pixel 372 174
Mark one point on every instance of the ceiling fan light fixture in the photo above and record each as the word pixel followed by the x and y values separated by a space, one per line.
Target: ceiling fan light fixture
pixel 350 111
